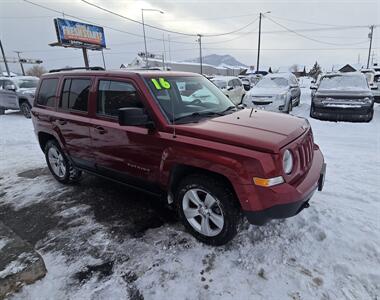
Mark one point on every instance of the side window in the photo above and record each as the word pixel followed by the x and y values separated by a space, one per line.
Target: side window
pixel 113 95
pixel 75 94
pixel 46 94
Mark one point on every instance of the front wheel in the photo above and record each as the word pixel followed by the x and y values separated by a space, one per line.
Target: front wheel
pixel 61 168
pixel 26 109
pixel 208 209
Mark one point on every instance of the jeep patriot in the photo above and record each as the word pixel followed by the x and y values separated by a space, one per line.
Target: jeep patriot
pixel 176 135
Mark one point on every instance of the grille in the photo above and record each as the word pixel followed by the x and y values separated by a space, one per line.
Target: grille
pixel 305 151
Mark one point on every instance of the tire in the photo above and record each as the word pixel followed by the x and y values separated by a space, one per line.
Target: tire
pixel 312 111
pixel 204 201
pixel 370 117
pixel 60 167
pixel 298 101
pixel 26 109
pixel 290 107
pixel 2 111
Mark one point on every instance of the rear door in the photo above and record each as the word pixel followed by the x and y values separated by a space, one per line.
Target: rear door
pixel 127 153
pixel 73 120
pixel 8 98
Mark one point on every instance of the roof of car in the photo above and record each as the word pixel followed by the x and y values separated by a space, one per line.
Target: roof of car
pixel 282 75
pixel 123 72
pixel 357 73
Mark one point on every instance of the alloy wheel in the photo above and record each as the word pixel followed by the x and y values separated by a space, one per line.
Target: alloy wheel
pixel 203 212
pixel 57 162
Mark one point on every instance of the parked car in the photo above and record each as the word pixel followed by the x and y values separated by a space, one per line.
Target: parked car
pixel 210 159
pixel 17 93
pixel 373 79
pixel 275 92
pixel 231 86
pixel 342 97
pixel 246 83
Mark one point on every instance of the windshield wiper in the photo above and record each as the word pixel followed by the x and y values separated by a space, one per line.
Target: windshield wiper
pixel 199 114
pixel 227 109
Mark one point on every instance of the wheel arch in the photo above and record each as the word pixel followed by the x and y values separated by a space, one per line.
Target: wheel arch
pixel 180 171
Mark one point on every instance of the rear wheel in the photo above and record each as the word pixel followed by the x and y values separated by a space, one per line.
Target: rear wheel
pixel 208 209
pixel 61 168
pixel 26 109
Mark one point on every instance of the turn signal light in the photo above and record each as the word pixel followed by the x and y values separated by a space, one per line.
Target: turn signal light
pixel 268 182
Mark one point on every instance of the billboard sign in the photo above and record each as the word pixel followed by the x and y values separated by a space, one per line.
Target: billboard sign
pixel 79 35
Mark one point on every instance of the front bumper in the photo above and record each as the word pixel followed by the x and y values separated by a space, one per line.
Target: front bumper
pixel 286 200
pixel 361 113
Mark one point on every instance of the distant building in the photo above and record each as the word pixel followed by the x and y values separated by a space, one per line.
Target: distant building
pixel 207 69
pixel 347 68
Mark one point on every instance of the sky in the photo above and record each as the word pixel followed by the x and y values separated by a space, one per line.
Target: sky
pixel 294 32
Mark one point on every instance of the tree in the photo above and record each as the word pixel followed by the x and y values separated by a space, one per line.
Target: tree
pixel 36 70
pixel 315 70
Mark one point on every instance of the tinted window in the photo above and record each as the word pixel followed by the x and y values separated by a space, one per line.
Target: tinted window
pixel 75 94
pixel 46 94
pixel 113 95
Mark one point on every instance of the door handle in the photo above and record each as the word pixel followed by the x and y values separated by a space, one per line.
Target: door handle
pixel 101 130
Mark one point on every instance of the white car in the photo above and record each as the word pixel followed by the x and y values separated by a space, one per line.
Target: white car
pixel 275 92
pixel 231 86
pixel 373 79
pixel 17 93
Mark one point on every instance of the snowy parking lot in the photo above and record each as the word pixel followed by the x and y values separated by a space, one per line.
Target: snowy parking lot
pixel 101 240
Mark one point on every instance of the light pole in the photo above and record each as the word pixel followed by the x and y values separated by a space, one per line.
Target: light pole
pixel 370 35
pixel 143 24
pixel 200 53
pixel 259 41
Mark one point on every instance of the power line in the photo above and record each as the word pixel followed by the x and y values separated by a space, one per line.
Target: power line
pixel 163 29
pixel 312 39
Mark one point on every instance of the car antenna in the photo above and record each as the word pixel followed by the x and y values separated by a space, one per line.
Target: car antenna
pixel 173 117
pixel 250 115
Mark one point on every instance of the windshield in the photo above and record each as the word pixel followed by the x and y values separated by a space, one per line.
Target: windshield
pixel 275 82
pixel 220 83
pixel 26 83
pixel 188 97
pixel 343 82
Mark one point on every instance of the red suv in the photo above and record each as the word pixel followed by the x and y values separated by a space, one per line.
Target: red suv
pixel 176 135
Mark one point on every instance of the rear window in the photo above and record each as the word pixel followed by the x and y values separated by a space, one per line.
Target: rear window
pixel 75 94
pixel 46 94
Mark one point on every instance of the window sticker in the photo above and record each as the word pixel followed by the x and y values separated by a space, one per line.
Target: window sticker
pixel 161 83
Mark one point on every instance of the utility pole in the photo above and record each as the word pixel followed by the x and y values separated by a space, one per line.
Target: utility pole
pixel 164 54
pixel 370 35
pixel 146 51
pixel 170 54
pixel 143 24
pixel 259 42
pixel 5 59
pixel 200 53
pixel 21 65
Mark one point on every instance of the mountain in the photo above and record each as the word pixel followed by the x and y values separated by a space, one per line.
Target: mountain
pixel 218 60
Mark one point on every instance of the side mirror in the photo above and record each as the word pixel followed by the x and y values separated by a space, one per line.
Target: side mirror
pixel 313 87
pixel 133 116
pixel 10 87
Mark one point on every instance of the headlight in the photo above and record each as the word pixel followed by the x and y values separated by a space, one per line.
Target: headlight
pixel 287 162
pixel 368 100
pixel 282 97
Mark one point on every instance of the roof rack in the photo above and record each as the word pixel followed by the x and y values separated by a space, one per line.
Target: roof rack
pixel 78 68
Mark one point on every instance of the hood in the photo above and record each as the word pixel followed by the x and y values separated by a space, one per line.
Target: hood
pixel 263 131
pixel 350 93
pixel 257 91
pixel 26 90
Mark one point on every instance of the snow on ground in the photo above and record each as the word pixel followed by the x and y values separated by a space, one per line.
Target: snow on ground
pixel 101 240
